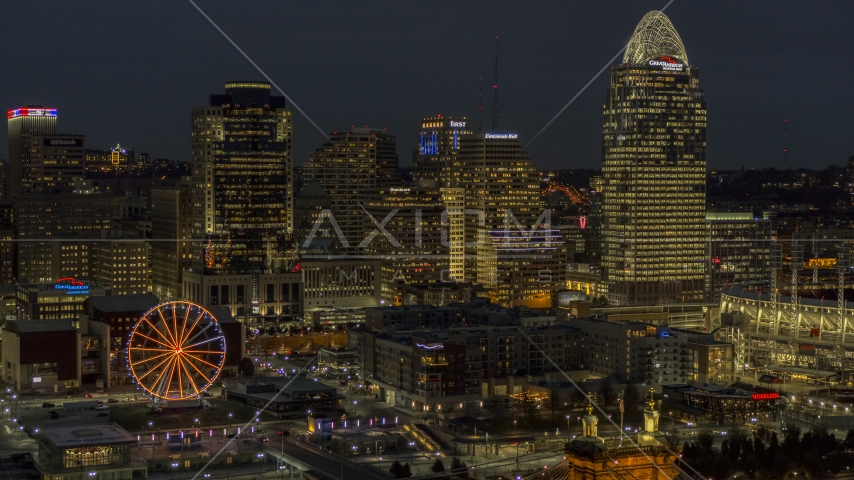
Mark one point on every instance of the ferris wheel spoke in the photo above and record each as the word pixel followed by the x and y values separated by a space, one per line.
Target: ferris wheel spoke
pixel 206 363
pixel 202 342
pixel 166 326
pixel 170 347
pixel 199 333
pixel 164 337
pixel 162 371
pixel 192 382
pixel 207 380
pixel 180 381
pixel 171 374
pixel 184 326
pixel 144 349
pixel 190 330
pixel 152 358
pixel 201 351
pixel 154 369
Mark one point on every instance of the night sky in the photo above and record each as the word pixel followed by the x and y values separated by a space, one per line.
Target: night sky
pixel 130 71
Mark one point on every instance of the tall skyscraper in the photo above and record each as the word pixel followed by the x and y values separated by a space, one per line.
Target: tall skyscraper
pixel 438 143
pixel 498 177
pixel 510 246
pixel 347 166
pixel 24 123
pixel 242 181
pixel 654 171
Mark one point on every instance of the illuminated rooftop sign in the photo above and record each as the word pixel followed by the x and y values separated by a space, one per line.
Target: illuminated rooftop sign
pixel 71 286
pixel 31 112
pixel 457 124
pixel 430 346
pixel 666 63
pixel 510 136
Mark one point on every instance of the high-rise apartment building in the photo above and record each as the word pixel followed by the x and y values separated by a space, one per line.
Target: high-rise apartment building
pixel 242 181
pixel 438 143
pixel 55 233
pixel 121 263
pixel 654 171
pixel 347 166
pixel 114 160
pixel 171 249
pixel 56 163
pixel 24 123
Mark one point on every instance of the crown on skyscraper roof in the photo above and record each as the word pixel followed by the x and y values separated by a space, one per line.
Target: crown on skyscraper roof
pixel 654 37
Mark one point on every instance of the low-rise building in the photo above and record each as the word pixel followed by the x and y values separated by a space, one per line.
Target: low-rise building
pixel 54 355
pixel 90 451
pixel 298 396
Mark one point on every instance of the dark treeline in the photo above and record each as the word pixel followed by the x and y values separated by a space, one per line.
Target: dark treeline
pixel 764 455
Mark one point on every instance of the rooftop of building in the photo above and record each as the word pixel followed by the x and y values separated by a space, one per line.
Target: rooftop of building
pixel 294 385
pixel 709 390
pixel 37 326
pixel 123 303
pixel 88 435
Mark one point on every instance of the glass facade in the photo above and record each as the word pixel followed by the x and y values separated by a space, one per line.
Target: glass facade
pixel 653 182
pixel 243 180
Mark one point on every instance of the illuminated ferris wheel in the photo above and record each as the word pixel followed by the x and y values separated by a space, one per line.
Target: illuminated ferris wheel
pixel 176 350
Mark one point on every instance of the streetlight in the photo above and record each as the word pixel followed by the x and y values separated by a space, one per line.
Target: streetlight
pixel 514 426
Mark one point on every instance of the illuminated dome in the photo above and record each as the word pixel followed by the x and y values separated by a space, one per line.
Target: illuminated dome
pixel 654 37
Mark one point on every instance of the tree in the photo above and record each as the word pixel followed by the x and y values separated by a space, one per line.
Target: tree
pixel 246 367
pixel 606 392
pixel 555 401
pixel 438 466
pixel 631 397
pixel 396 469
pixel 406 472
pixel 459 468
pixel 529 408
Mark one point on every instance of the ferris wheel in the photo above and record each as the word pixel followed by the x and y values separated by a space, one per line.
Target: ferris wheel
pixel 176 350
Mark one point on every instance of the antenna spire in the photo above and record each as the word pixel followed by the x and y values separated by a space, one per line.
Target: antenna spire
pixel 495 111
pixel 480 105
pixel 785 141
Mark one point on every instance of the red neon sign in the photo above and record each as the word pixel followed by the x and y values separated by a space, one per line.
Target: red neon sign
pixel 582 222
pixel 765 396
pixel 667 59
pixel 69 281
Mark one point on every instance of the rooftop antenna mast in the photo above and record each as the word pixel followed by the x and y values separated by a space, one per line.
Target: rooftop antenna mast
pixel 480 106
pixel 495 111
pixel 785 141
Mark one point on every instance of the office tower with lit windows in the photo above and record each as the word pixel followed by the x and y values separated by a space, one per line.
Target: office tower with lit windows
pixel 57 162
pixel 438 143
pixel 56 232
pixel 242 205
pixel 510 245
pixel 654 172
pixel 24 123
pixel 171 246
pixel 346 167
pixel 417 250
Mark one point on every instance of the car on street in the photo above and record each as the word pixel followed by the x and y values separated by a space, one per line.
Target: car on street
pixel 103 414
pixel 112 400
pixel 48 405
pixel 265 439
pixel 52 414
pixel 284 432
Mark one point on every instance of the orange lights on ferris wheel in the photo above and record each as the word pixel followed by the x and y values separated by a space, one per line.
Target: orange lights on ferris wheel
pixel 176 350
